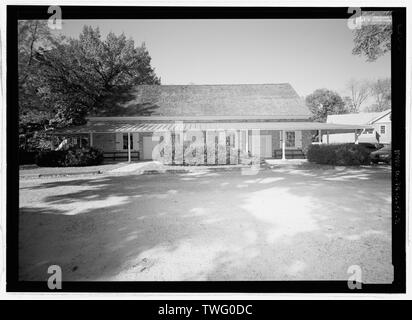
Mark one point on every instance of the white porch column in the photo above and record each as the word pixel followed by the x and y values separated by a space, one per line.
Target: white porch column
pixel 91 139
pixel 327 137
pixel 356 137
pixel 283 145
pixel 129 154
pixel 221 156
pixel 320 136
pixel 247 142
pixel 238 145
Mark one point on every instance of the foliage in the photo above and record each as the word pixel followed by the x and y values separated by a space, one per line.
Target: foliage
pixel 359 91
pixel 373 40
pixel 381 92
pixel 33 36
pixel 339 154
pixel 51 158
pixel 91 75
pixel 72 157
pixel 323 102
pixel 62 80
pixel 27 157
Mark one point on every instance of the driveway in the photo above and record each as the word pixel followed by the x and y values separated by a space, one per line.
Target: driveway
pixel 294 222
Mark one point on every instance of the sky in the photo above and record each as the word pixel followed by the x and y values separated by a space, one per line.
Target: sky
pixel 307 53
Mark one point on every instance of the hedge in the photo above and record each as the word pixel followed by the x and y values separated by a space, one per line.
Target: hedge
pixel 347 154
pixel 27 157
pixel 72 157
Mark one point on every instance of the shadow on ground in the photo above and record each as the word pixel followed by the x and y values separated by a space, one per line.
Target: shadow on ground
pixel 289 222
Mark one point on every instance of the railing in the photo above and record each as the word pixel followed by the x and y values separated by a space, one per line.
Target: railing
pixel 290 154
pixel 121 155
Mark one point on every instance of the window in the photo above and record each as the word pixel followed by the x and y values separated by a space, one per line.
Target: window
pixel 290 139
pixel 84 142
pixel 125 141
pixel 230 140
pixel 383 129
pixel 368 131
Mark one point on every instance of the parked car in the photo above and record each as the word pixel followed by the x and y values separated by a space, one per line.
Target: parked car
pixel 382 155
pixel 371 146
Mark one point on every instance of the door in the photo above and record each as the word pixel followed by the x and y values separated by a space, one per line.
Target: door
pixel 262 145
pixel 266 146
pixel 148 146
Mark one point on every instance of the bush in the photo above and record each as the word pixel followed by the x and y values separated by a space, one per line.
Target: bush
pixel 27 157
pixel 72 157
pixel 339 154
pixel 50 158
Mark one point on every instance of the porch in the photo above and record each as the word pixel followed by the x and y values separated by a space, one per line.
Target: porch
pixel 200 143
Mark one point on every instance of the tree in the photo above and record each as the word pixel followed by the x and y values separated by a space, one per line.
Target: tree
pixel 323 102
pixel 381 92
pixel 91 75
pixel 359 91
pixel 373 40
pixel 33 35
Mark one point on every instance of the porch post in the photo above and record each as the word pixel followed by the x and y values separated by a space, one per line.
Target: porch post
pixel 320 136
pixel 327 137
pixel 129 154
pixel 236 145
pixel 356 137
pixel 247 142
pixel 91 139
pixel 283 145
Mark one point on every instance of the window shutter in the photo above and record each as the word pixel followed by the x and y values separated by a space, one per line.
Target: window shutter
pixel 119 141
pixel 135 141
pixel 298 139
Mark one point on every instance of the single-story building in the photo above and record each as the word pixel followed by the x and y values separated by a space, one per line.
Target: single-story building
pixel 207 124
pixel 379 132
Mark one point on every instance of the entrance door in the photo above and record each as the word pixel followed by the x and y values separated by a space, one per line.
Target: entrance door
pixel 265 146
pixel 148 146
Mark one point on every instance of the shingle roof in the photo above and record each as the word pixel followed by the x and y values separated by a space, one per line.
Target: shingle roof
pixel 220 100
pixel 381 115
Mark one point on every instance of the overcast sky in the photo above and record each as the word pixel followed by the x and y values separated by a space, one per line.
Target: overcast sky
pixel 309 54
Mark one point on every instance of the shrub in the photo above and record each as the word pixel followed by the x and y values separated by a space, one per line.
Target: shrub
pixel 339 154
pixel 27 157
pixel 72 157
pixel 50 158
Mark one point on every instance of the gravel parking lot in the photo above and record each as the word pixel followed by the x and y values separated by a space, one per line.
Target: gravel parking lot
pixel 283 223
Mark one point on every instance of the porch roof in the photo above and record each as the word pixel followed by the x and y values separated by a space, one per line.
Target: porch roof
pixel 116 126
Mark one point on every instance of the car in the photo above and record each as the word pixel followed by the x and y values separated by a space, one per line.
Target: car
pixel 371 146
pixel 384 154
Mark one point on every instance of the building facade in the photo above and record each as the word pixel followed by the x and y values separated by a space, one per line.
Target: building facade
pixel 206 124
pixel 379 131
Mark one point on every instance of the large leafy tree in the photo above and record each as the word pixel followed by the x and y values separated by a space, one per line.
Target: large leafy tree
pixel 373 40
pixel 33 35
pixel 323 102
pixel 34 115
pixel 92 75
